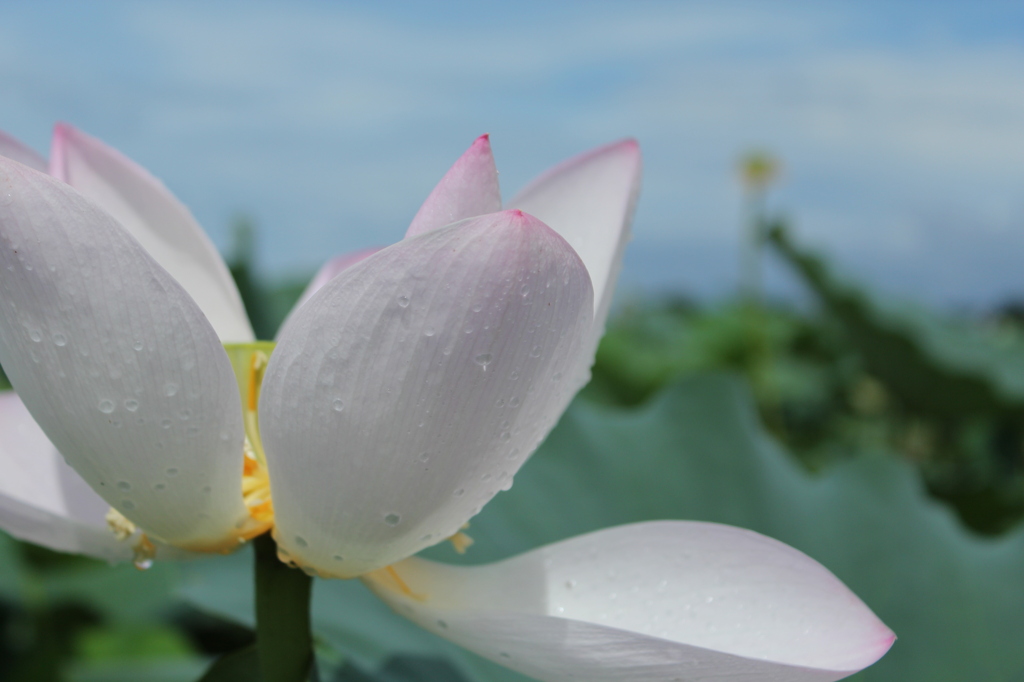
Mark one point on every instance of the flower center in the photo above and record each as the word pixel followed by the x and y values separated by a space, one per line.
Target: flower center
pixel 249 360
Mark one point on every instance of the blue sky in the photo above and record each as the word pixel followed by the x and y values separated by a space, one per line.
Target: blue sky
pixel 901 130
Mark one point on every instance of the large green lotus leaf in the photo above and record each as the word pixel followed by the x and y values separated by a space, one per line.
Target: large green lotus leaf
pixel 698 452
pixel 935 365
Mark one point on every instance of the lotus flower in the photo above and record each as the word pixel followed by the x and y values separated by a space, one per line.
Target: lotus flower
pixel 404 391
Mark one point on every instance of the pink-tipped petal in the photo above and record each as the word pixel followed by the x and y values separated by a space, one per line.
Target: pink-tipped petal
pixel 652 602
pixel 468 189
pixel 117 364
pixel 153 216
pixel 42 499
pixel 408 391
pixel 590 200
pixel 14 149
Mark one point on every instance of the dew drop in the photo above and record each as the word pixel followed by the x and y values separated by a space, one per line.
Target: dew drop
pixel 403 301
pixel 338 557
pixel 160 486
pixel 485 477
pixel 535 353
pixel 501 402
pixel 106 406
pixel 170 389
pixel 429 331
pixel 525 290
pixel 423 457
pixel 504 654
pixel 557 376
pixel 442 624
pixel 460 492
pixel 392 519
pixel 514 402
pixel 338 405
pixel 301 541
pixel 60 340
pixel 127 504
pixel 138 345
pixel 483 360
pixel 166 423
pixel 478 307
pixel 131 405
pixel 513 376
pixel 185 414
pixel 124 485
pixel 505 435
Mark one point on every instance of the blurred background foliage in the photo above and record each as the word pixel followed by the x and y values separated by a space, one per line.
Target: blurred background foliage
pixel 884 439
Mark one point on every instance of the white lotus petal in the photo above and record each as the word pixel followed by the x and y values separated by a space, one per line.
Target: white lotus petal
pixel 410 388
pixel 326 273
pixel 160 222
pixel 13 149
pixel 468 189
pixel 116 363
pixel 659 601
pixel 590 200
pixel 42 499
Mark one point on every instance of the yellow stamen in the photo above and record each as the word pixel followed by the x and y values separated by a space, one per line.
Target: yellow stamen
pixel 461 542
pixel 121 527
pixel 389 574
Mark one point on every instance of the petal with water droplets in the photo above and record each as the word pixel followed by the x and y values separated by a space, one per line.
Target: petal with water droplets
pixel 468 189
pixel 327 272
pixel 117 364
pixel 657 601
pixel 410 388
pixel 42 499
pixel 589 200
pixel 161 224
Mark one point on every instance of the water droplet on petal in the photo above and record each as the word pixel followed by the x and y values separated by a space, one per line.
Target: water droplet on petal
pixel 429 331
pixel 483 360
pixel 124 485
pixel 138 345
pixel 403 301
pixel 392 519
pixel 160 486
pixel 301 541
pixel 35 335
pixel 131 405
pixel 60 340
pixel 127 504
pixel 166 423
pixel 173 471
pixel 338 557
pixel 106 406
pixel 535 353
pixel 338 405
pixel 170 389
pixel 460 492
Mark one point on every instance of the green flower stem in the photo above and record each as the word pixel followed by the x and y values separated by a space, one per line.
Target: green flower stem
pixel 284 639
